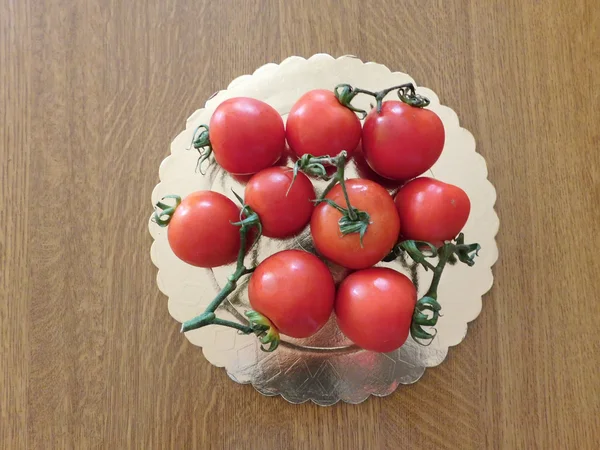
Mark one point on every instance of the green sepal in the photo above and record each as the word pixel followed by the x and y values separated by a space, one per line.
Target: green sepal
pixel 408 95
pixel 264 330
pixel 345 93
pixel 420 319
pixel 419 334
pixel 360 225
pixel 164 210
pixel 201 142
pixel 466 253
pixel 418 255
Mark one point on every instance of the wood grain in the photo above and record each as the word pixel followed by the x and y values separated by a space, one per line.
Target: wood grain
pixel 91 94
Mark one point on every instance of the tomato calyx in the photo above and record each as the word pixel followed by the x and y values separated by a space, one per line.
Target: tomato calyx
pixel 264 330
pixel 315 166
pixel 466 252
pixel 427 309
pixel 163 212
pixel 426 313
pixel 248 218
pixel 201 142
pixel 407 93
pixel 345 93
pixel 353 220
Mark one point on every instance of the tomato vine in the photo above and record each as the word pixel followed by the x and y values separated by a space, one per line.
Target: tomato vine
pixel 427 309
pixel 353 220
pixel 260 325
pixel 345 93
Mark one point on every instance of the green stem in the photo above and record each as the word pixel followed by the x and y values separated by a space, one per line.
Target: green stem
pixel 259 324
pixel 345 93
pixel 412 248
pixel 427 309
pixel 329 187
pixel 352 214
pixel 339 177
pixel 445 253
pixel 240 271
pixel 238 326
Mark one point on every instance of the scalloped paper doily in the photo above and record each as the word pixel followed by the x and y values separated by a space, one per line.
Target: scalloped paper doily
pixel 325 368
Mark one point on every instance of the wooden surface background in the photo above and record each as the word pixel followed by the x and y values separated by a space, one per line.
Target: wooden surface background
pixel 91 94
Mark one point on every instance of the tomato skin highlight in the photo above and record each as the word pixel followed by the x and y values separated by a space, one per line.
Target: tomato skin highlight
pixel 200 232
pixel 374 308
pixel 382 232
pixel 431 210
pixel 402 141
pixel 282 213
pixel 319 125
pixel 295 290
pixel 247 135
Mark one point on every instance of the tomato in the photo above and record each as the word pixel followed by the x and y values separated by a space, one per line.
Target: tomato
pixel 295 290
pixel 382 232
pixel 282 213
pixel 246 135
pixel 364 171
pixel 287 157
pixel 319 125
pixel 201 232
pixel 374 308
pixel 431 210
pixel 402 141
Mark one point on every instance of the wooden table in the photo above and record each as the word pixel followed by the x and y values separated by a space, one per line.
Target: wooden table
pixel 91 94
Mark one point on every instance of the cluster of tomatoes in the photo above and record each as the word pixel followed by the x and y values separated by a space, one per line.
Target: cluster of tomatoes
pixel 355 223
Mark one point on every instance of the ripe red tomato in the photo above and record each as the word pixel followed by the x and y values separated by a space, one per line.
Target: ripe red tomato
pixel 374 308
pixel 247 135
pixel 364 171
pixel 295 290
pixel 200 231
pixel 286 158
pixel 431 210
pixel 402 141
pixel 282 213
pixel 382 232
pixel 319 125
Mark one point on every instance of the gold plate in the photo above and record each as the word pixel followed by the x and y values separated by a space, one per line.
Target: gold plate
pixel 324 368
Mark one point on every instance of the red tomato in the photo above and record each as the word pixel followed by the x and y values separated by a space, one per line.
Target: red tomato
pixel 431 210
pixel 364 171
pixel 247 135
pixel 286 157
pixel 402 141
pixel 200 231
pixel 282 213
pixel 374 308
pixel 319 125
pixel 295 290
pixel 382 232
